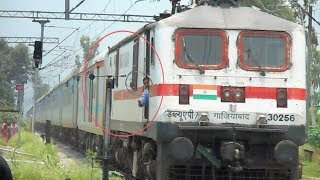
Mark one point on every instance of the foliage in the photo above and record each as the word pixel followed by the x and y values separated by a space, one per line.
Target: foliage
pixel 77 61
pixel 15 68
pixel 314 136
pixel 315 67
pixel 86 45
pixel 39 171
pixel 8 116
pixel 315 80
pixel 274 7
pixel 6 92
pixel 91 154
pixel 42 88
pixel 310 168
pixel 21 68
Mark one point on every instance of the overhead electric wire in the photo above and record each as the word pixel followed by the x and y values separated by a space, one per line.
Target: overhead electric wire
pixel 51 62
pixel 55 59
pixel 94 21
pixel 117 19
pixel 111 23
pixel 89 26
pixel 76 6
pixel 47 65
pixel 306 12
pixel 61 42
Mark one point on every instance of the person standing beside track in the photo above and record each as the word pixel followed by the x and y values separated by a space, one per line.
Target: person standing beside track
pixel 14 128
pixel 5 130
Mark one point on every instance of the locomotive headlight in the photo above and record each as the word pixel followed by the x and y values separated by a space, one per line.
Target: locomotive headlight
pixel 227 93
pixel 233 94
pixel 238 94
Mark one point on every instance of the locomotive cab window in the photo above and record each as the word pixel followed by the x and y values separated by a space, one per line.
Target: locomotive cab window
pixel 261 50
pixel 204 48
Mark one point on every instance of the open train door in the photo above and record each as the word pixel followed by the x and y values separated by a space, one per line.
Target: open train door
pixel 147 68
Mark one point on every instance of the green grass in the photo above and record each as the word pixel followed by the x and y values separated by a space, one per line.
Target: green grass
pixel 42 171
pixel 49 168
pixel 310 168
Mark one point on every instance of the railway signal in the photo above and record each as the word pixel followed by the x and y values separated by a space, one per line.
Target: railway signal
pixel 37 53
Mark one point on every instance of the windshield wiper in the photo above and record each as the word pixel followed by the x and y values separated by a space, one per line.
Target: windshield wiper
pixel 262 71
pixel 191 58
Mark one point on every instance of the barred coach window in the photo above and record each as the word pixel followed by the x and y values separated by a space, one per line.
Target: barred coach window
pixel 263 50
pixel 205 48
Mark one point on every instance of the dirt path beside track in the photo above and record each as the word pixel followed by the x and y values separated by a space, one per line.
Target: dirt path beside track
pixel 68 154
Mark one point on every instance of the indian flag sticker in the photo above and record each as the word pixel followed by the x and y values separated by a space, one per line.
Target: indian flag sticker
pixel 205 92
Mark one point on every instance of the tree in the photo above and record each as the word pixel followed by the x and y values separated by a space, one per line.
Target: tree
pixel 77 61
pixel 86 45
pixel 15 68
pixel 274 7
pixel 6 93
pixel 21 63
pixel 41 87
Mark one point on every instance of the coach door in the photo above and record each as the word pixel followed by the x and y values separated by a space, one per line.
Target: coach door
pixel 138 72
pixel 147 67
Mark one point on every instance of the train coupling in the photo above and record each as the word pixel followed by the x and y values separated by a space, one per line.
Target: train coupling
pixel 232 153
pixel 203 120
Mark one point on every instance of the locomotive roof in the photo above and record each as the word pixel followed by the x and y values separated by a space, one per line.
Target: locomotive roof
pixel 221 18
pixel 229 18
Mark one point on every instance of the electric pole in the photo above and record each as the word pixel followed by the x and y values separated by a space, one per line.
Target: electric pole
pixel 36 72
pixel 107 126
pixel 20 89
pixel 310 99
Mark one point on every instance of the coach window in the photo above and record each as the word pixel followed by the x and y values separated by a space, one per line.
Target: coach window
pixel 204 48
pixel 264 51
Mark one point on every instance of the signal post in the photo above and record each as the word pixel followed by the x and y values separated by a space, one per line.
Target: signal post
pixel 37 55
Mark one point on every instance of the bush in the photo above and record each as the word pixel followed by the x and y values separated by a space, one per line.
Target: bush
pixel 314 136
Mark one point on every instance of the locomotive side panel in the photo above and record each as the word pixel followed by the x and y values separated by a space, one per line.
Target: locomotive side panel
pixel 128 89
